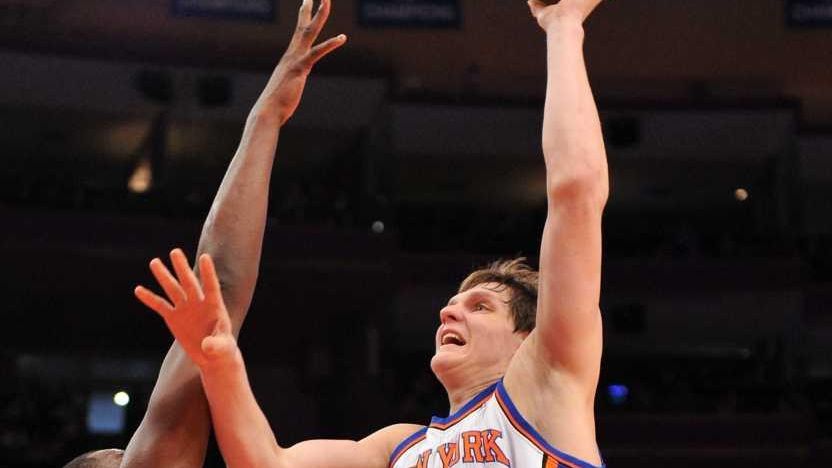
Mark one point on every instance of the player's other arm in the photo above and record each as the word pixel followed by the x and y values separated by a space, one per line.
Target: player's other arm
pixel 568 336
pixel 246 439
pixel 174 431
pixel 195 313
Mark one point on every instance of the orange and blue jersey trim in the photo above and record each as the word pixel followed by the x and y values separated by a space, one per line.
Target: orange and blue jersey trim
pixel 405 445
pixel 473 405
pixel 442 423
pixel 517 420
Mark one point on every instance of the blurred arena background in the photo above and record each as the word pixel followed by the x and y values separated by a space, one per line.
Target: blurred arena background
pixel 415 157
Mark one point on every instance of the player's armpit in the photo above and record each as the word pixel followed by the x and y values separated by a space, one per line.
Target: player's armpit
pixel 371 452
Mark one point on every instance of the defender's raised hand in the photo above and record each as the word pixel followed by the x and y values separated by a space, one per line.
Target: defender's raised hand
pixel 195 313
pixel 282 94
pixel 546 12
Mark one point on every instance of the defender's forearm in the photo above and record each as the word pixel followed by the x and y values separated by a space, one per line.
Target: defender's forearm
pixel 573 144
pixel 176 425
pixel 175 429
pixel 233 230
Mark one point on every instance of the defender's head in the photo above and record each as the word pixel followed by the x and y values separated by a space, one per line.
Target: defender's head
pixel 109 458
pixel 484 324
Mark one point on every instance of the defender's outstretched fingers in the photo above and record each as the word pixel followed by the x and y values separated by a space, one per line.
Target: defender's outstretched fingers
pixel 186 276
pixel 153 301
pixel 304 18
pixel 319 20
pixel 312 27
pixel 305 13
pixel 210 281
pixel 324 48
pixel 166 280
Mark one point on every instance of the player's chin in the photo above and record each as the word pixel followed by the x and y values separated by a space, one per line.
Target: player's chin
pixel 449 366
pixel 447 355
pixel 438 364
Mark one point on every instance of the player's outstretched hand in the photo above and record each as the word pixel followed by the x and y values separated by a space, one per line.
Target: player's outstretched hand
pixel 547 12
pixel 195 313
pixel 282 94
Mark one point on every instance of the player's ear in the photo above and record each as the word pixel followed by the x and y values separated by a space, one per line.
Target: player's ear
pixel 536 6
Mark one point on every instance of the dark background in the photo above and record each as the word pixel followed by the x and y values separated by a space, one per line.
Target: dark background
pixel 715 305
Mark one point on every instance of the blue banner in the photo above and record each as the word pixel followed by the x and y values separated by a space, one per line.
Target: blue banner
pixel 252 10
pixel 410 13
pixel 809 12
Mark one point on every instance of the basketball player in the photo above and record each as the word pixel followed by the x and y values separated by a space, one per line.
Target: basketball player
pixel 175 428
pixel 521 384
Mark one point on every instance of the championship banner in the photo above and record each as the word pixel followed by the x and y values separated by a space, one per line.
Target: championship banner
pixel 809 12
pixel 250 10
pixel 409 13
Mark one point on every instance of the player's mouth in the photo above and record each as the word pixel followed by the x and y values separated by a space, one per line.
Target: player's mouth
pixel 451 339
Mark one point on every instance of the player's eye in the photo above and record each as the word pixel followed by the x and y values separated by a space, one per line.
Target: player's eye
pixel 480 306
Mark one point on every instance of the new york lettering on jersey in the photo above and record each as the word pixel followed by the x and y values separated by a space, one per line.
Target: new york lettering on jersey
pixel 487 431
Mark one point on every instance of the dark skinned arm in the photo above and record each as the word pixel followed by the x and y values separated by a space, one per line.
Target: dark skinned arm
pixel 176 426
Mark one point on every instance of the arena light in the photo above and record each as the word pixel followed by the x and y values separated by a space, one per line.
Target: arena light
pixel 104 416
pixel 618 394
pixel 378 227
pixel 142 177
pixel 121 398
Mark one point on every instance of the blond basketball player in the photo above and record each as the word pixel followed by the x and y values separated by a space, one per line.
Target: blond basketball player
pixel 518 352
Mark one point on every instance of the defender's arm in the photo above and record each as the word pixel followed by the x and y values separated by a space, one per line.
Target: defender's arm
pixel 175 428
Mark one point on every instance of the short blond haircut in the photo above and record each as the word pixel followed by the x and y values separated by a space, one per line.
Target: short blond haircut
pixel 521 279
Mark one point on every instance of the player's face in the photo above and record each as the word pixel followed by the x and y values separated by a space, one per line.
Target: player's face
pixel 476 335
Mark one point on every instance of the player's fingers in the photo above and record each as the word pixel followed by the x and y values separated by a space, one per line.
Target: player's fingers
pixel 223 326
pixel 210 281
pixel 153 301
pixel 166 280
pixel 186 276
pixel 321 50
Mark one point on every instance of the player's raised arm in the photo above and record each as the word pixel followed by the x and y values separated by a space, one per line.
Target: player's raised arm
pixel 568 336
pixel 174 431
pixel 195 313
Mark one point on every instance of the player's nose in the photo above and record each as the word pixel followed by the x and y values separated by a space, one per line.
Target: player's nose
pixel 450 313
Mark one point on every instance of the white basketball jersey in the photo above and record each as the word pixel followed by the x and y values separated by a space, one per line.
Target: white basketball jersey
pixel 487 431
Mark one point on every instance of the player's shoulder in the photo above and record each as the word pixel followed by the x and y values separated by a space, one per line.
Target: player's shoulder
pixel 392 435
pixel 403 428
pixel 386 440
